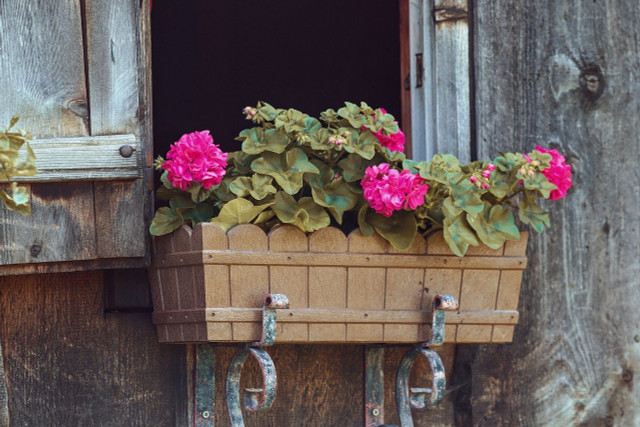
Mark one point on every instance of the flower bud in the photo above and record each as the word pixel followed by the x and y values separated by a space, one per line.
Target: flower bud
pixel 490 167
pixel 486 173
pixel 485 185
pixel 473 179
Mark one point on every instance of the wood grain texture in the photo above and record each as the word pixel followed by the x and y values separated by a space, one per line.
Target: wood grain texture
pixel 69 364
pixel 576 354
pixel 42 67
pixel 452 88
pixel 48 80
pixel 113 56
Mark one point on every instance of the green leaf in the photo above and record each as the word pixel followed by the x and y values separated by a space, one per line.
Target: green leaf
pixel 237 211
pixel 257 186
pixel 499 189
pixel 180 200
pixel 304 214
pixel 292 121
pixel 365 228
pixel 365 145
pixel 352 113
pixel 165 221
pixel 458 234
pixel 399 229
pixel 468 197
pixel 14 120
pixel 531 213
pixel 256 140
pixel 286 169
pixel 353 167
pixel 509 161
pixel 494 226
pixel 203 212
pixel 335 196
pixel 539 183
pixel 198 193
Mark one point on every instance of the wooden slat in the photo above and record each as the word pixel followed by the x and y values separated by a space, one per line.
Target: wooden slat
pixel 291 281
pixel 339 260
pixel 328 285
pixel 61 212
pixel 332 315
pixel 113 58
pixel 452 90
pixel 85 158
pixel 215 278
pixel 121 226
pixel 249 284
pixel 421 90
pixel 42 67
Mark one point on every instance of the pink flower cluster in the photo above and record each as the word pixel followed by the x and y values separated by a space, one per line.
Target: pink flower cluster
pixel 388 190
pixel 195 158
pixel 559 173
pixel 486 174
pixel 394 142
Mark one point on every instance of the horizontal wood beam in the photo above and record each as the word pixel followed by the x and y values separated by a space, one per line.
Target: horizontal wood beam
pixel 318 315
pixel 312 259
pixel 90 158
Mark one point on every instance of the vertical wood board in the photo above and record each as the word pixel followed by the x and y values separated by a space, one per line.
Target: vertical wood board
pixel 565 77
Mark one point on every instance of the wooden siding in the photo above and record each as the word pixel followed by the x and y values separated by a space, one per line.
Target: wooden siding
pixel 77 73
pixel 565 76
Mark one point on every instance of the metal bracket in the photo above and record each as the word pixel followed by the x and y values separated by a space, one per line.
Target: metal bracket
pixel 408 398
pixel 256 399
pixel 205 380
pixel 439 305
pixel 272 302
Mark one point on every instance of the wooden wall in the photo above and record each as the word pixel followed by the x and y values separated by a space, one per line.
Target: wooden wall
pixel 67 363
pixel 567 76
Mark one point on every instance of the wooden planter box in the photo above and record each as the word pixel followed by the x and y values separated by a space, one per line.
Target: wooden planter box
pixel 210 286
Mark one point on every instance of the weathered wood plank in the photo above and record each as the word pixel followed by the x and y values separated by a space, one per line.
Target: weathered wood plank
pixel 566 76
pixel 113 54
pixel 121 220
pixel 61 212
pixel 86 158
pixel 67 363
pixel 419 80
pixel 452 90
pixel 42 67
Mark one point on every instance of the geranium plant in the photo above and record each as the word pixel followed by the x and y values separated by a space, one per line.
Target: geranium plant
pixel 348 166
pixel 15 197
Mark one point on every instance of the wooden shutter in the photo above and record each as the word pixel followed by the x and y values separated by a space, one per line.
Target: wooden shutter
pixel 437 77
pixel 77 72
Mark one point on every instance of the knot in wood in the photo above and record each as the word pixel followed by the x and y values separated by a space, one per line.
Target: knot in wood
pixel 591 82
pixel 35 250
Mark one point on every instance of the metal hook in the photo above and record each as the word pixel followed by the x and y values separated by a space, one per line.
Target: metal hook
pixel 439 305
pixel 416 398
pixel 255 399
pixel 272 302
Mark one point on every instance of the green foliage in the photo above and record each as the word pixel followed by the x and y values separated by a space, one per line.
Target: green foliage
pixel 11 165
pixel 299 170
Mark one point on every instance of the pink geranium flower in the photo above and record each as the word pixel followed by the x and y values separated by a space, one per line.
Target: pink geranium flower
pixel 394 142
pixel 195 158
pixel 389 190
pixel 558 173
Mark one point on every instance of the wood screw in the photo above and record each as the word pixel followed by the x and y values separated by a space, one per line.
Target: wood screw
pixel 126 150
pixel 206 414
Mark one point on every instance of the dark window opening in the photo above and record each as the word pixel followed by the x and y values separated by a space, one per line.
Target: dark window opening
pixel 211 58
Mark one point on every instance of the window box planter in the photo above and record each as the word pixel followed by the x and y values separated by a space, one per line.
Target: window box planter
pixel 208 286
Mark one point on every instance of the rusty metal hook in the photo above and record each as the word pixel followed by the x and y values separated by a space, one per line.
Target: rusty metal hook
pixel 418 398
pixel 255 399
